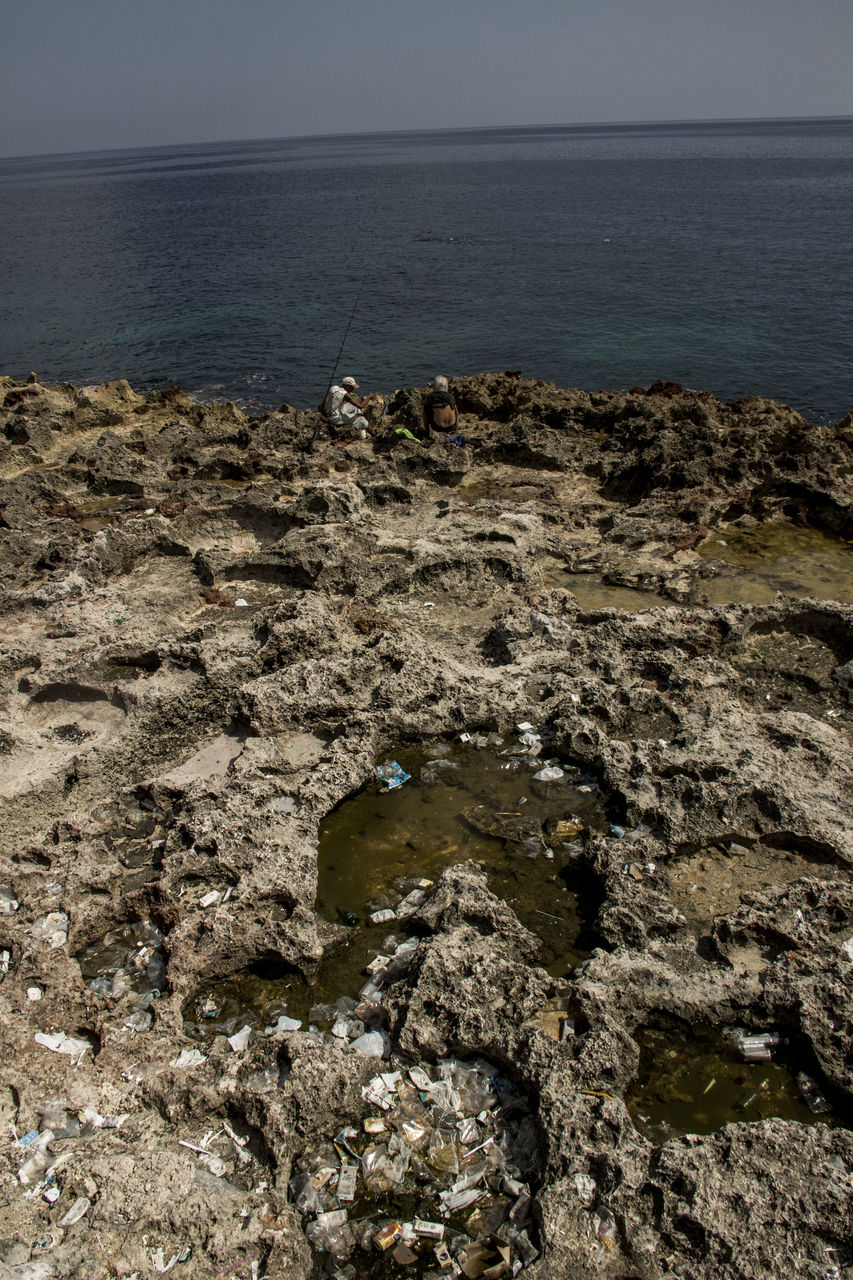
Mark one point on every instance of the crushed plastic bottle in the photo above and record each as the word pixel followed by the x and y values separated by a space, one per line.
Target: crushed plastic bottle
pixel 811 1093
pixel 758 1046
pixel 392 774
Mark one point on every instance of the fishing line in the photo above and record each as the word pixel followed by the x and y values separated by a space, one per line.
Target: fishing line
pixel 346 333
pixel 338 357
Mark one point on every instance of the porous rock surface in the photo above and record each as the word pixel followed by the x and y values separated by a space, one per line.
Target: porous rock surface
pixel 394 592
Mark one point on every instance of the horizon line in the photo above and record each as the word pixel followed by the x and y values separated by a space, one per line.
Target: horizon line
pixel 390 133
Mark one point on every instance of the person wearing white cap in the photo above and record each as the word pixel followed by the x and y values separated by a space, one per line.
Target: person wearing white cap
pixel 343 409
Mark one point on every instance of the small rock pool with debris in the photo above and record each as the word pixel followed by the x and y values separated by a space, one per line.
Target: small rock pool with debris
pixel 381 851
pixel 442 1171
pixel 696 1080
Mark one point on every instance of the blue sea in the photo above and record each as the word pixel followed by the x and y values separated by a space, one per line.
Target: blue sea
pixel 712 254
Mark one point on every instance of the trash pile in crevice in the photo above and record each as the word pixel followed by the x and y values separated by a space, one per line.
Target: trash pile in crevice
pixel 128 965
pixel 439 1173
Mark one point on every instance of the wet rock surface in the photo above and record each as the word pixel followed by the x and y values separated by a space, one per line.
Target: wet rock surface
pixel 215 627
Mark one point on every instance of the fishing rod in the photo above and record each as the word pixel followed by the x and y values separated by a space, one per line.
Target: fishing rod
pixel 346 333
pixel 338 357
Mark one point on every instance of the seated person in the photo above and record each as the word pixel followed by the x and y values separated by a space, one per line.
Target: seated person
pixel 439 408
pixel 343 409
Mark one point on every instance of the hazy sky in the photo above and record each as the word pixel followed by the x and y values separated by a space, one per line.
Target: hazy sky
pixel 90 74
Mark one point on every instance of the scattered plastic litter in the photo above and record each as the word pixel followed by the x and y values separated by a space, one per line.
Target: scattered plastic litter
pixel 551 773
pixel 392 774
pixel 241 603
pixel 78 1210
pixel 240 1039
pixel 52 929
pixel 139 1020
pixel 372 1043
pixel 127 964
pixel 586 1188
pixel 61 1043
pixel 34 994
pixel 812 1095
pixel 8 901
pixel 188 1058
pixel 282 1025
pixel 33 1270
pixel 604 1226
pixel 209 898
pixel 757 1047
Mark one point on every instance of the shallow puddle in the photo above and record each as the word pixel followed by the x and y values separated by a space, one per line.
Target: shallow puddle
pixel 778 557
pixel 98 513
pixel 695 1081
pixel 466 802
pixel 592 592
pixel 381 851
pixel 711 881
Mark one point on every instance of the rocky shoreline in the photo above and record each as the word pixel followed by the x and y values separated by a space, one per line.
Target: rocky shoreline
pixel 214 627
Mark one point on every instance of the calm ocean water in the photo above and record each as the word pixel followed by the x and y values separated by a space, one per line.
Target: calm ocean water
pixel 717 255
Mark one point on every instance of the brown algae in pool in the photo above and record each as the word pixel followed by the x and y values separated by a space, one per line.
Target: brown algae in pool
pixel 694 1080
pixel 778 557
pixel 457 800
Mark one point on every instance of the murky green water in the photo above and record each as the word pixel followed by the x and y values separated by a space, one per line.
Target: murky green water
pixel 380 844
pixel 377 838
pixel 694 1081
pixel 778 557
